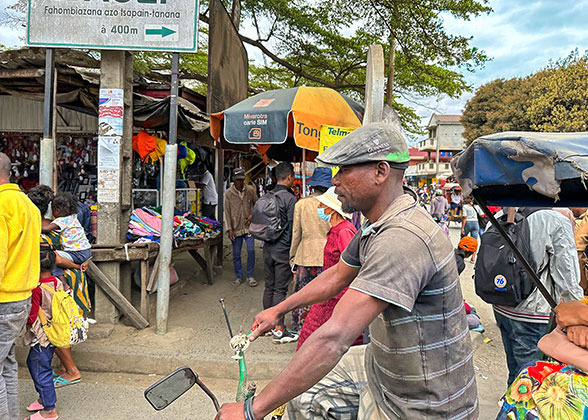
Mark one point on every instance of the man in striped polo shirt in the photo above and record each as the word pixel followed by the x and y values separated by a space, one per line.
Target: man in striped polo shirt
pixel 403 284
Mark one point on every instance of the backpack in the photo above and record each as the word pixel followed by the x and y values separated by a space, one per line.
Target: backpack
pixel 266 221
pixel 499 277
pixel 66 327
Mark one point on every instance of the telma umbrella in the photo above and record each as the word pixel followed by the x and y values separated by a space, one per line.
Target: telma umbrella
pixel 274 116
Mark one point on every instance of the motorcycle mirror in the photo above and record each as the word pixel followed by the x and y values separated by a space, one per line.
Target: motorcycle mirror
pixel 167 390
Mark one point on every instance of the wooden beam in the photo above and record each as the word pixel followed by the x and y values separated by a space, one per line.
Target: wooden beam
pixel 116 297
pixel 153 275
pixel 144 295
pixel 21 73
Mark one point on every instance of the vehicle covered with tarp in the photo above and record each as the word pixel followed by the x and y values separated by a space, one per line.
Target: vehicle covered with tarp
pixel 525 169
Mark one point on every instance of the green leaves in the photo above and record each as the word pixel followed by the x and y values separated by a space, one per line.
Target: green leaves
pixel 554 99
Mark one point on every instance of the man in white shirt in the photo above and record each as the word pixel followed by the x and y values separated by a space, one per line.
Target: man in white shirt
pixel 209 194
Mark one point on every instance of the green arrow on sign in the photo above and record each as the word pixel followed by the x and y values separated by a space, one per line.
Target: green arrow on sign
pixel 163 31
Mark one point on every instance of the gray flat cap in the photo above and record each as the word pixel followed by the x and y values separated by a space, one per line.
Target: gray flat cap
pixel 370 143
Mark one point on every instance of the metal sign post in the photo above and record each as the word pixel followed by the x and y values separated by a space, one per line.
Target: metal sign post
pixel 145 25
pixel 48 142
pixel 168 204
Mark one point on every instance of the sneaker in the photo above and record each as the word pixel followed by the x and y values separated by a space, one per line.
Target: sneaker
pixel 251 281
pixel 237 281
pixel 283 336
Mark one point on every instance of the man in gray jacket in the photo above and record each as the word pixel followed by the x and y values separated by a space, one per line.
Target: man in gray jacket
pixel 554 253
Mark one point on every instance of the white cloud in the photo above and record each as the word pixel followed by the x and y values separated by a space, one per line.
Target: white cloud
pixel 520 38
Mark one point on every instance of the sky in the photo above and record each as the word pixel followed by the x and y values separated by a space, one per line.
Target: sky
pixel 520 37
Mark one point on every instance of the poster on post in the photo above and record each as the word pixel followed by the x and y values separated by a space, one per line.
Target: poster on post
pixel 110 131
pixel 330 135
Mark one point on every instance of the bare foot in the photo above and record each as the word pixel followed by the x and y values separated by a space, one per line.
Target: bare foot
pixel 48 414
pixel 60 371
pixel 71 376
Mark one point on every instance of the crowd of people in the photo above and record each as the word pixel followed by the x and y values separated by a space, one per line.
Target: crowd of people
pixel 377 311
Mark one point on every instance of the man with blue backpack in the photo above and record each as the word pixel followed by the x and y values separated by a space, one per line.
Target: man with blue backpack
pixel 272 220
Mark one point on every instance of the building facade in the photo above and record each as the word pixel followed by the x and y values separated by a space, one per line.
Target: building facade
pixel 445 139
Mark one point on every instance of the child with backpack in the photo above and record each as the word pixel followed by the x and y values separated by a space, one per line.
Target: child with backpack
pixel 41 350
pixel 76 247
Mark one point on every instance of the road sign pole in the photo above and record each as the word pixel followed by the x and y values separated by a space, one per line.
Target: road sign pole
pixel 169 200
pixel 48 141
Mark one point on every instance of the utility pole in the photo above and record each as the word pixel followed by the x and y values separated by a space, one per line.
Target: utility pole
pixel 48 142
pixel 438 148
pixel 168 203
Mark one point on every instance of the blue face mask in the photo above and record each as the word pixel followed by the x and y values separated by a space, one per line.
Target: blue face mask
pixel 322 215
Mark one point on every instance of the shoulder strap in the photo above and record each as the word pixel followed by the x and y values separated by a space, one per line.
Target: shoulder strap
pixel 48 288
pixel 43 317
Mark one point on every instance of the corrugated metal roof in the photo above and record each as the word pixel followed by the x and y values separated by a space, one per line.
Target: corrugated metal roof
pixel 18 114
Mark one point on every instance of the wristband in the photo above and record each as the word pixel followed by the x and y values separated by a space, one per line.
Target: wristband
pixel 248 409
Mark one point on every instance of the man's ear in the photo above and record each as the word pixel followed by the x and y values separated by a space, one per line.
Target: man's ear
pixel 382 171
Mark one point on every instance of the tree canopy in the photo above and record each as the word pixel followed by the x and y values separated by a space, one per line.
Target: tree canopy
pixel 325 43
pixel 555 99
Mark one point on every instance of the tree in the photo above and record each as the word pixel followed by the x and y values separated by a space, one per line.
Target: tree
pixel 559 98
pixel 555 99
pixel 497 106
pixel 325 43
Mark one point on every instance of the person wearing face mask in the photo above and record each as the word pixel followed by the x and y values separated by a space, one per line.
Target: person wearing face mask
pixel 338 237
pixel 309 236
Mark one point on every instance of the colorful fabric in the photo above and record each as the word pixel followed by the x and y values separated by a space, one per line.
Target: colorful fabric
pixel 187 160
pixel 547 391
pixel 144 144
pixel 304 275
pixel 76 279
pixel 72 234
pixel 159 151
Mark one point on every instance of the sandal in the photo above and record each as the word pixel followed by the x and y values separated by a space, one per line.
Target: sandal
pixel 252 282
pixel 60 382
pixel 35 406
pixel 38 416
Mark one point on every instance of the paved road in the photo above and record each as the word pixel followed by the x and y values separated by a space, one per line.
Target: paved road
pixel 107 396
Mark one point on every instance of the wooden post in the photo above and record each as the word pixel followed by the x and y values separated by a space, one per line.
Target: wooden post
pixel 374 85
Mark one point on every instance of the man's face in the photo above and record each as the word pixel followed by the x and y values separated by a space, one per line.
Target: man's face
pixel 239 184
pixel 355 187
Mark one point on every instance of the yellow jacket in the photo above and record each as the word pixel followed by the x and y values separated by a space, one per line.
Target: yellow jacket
pixel 20 230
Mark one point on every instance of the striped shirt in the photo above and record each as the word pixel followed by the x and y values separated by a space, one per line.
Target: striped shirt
pixel 419 361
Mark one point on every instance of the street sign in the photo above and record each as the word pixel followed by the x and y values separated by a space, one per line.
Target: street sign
pixel 146 25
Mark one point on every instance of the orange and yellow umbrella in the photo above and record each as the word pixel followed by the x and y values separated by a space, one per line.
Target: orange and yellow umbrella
pixel 274 116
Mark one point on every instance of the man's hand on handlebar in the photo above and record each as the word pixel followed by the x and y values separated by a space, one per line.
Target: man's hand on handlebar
pixel 231 411
pixel 263 322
